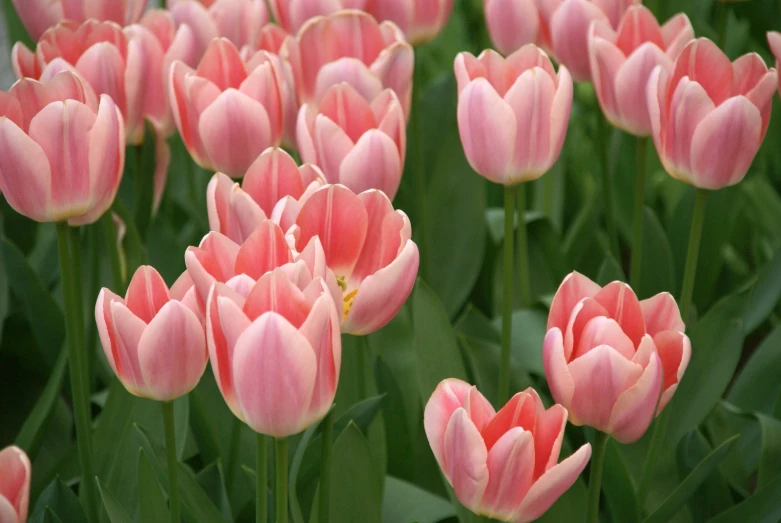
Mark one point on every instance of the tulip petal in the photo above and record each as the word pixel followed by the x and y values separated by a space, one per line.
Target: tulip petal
pixel 274 292
pixel 321 328
pixel 347 71
pixel 394 67
pixel 147 293
pixel 103 66
pixel 143 82
pixel 331 145
pixel 105 323
pixel 374 163
pixel 387 232
pixel 603 331
pixel 630 84
pixel 271 177
pixel 25 175
pixel 703 62
pixel 231 210
pixel 195 16
pixel 572 290
pixel 213 260
pixel 660 313
pixel 623 306
pixel 520 411
pixel 14 484
pixel 345 106
pixel 605 61
pixel 510 471
pixel 511 23
pixel 585 311
pixel 128 330
pixel 222 65
pixel 548 435
pixel 638 26
pixel 676 33
pixel 674 350
pixel 465 458
pixel 264 250
pixel 264 86
pixel 557 372
pixel 635 408
pixel 569 28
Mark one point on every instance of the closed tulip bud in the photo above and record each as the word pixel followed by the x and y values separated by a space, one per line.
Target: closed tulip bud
pixel 774 40
pixel 292 14
pixel 622 63
pixel 357 143
pixel 610 358
pixel 153 338
pixel 351 47
pixel 226 112
pixel 513 24
pixel 39 15
pixel 504 464
pixel 513 113
pixel 709 116
pixel 420 20
pixel 15 474
pixel 275 349
pixel 61 154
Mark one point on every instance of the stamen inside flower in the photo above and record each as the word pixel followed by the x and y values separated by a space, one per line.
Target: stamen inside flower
pixel 348 301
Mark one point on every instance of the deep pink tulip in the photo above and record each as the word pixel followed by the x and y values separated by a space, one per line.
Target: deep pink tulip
pixel 226 112
pixel 350 46
pixel 709 116
pixel 513 113
pixel 236 211
pixel 774 40
pixel 61 154
pixel 275 348
pixel 622 62
pixel 153 338
pixel 293 14
pixel 15 474
pixel 609 357
pixel 512 24
pixel 368 247
pixel 420 20
pixel 504 464
pixel 565 27
pixel 39 15
pixel 356 143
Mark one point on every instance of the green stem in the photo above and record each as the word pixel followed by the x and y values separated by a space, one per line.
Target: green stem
pixel 280 453
pixel 548 193
pixel 79 380
pixel 362 355
pixel 695 238
pixel 523 247
pixel 233 452
pixel 637 234
pixel 110 236
pixel 507 304
pixel 261 471
pixel 607 184
pixel 324 503
pixel 660 427
pixel 595 477
pixel 173 463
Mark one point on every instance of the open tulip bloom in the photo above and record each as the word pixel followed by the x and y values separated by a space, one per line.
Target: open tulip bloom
pixel 514 23
pixel 293 14
pixel 39 15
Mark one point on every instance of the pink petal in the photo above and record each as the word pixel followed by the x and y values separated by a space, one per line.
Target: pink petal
pixel 271 177
pixel 147 293
pixel 548 435
pixel 510 471
pixel 606 60
pixel 557 372
pixel 387 232
pixel 344 106
pixel 603 331
pixel 25 175
pixel 128 330
pixel 213 260
pixel 674 350
pixel 194 15
pixel 331 145
pixel 374 163
pixel 264 250
pixel 757 83
pixel 37 16
pixel 347 72
pixel 703 62
pixel 677 32
pixel 232 211
pixel 321 328
pixel 105 323
pixel 631 82
pixel 394 67
pixel 240 22
pixel 465 459
pixel 661 313
pixel 774 41
pixel 274 292
pixel 519 412
pixel 391 119
pixel 186 114
pixel 264 85
pixel 623 306
pixel 638 26
pixel 572 290
pixel 222 65
pixel 635 408
pixel 143 81
pixel 103 66
pixel 569 27
pixel 562 108
pixel 585 311
pixel 689 106
pixel 15 483
pixel 511 23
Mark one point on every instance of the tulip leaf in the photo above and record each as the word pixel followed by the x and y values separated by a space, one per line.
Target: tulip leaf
pixel 610 271
pixel 59 500
pixel 762 507
pixel 618 486
pixel 212 481
pixel 404 502
pixel 116 514
pixel 144 178
pixel 295 466
pixel 354 491
pixel 765 295
pixel 713 496
pixel 658 265
pixel 151 499
pixel 757 384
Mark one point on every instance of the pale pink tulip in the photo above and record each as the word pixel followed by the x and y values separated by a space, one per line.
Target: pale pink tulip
pixel 61 153
pixel 275 348
pixel 504 464
pixel 774 40
pixel 15 474
pixel 292 14
pixel 271 38
pixel 236 211
pixel 287 87
pixel 513 24
pixel 350 46
pixel 226 112
pixel 356 143
pixel 153 338
pixel 513 113
pixel 39 15
pixel 709 116
pixel 622 62
pixel 420 20
pixel 172 3
pixel 611 360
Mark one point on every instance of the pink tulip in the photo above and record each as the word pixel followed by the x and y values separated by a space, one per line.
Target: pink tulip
pixel 39 15
pixel 287 87
pixel 513 113
pixel 622 62
pixel 359 144
pixel 206 3
pixel 368 247
pixel 420 20
pixel 504 464
pixel 15 474
pixel 350 46
pixel 709 116
pixel 153 338
pixel 512 24
pixel 292 14
pixel 608 356
pixel 567 23
pixel 237 211
pixel 226 112
pixel 275 349
pixel 774 40
pixel 60 160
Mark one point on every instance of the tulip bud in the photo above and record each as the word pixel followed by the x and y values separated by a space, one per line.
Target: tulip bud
pixel 512 23
pixel 420 20
pixel 293 14
pixel 39 15
pixel 15 474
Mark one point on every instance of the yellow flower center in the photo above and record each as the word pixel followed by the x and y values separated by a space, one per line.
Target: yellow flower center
pixel 349 297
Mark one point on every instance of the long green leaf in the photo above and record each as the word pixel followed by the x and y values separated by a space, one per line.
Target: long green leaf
pixel 762 507
pixel 116 513
pixel 354 492
pixel 404 502
pixel 60 501
pixel 151 499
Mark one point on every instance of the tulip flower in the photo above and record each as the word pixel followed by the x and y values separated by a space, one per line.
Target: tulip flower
pixel 622 62
pixel 350 46
pixel 153 338
pixel 513 113
pixel 420 20
pixel 226 112
pixel 368 246
pixel 613 361
pixel 287 87
pixel 275 349
pixel 504 464
pixel 774 40
pixel 39 15
pixel 292 14
pixel 709 116
pixel 357 143
pixel 236 211
pixel 513 24
pixel 61 153
pixel 15 474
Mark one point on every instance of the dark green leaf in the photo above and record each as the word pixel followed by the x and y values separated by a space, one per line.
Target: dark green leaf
pixel 404 502
pixel 59 500
pixel 212 481
pixel 658 265
pixel 757 384
pixel 529 328
pixel 618 486
pixel 151 499
pixel 762 507
pixel 610 271
pixel 116 514
pixel 145 178
pixel 295 466
pixel 354 493
pixel 713 496
pixel 765 295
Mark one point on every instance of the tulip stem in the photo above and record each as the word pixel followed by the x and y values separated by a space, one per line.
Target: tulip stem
pixel 607 185
pixel 261 472
pixel 507 304
pixel 78 378
pixel 324 501
pixel 693 253
pixel 595 478
pixel 280 453
pixel 173 464
pixel 637 234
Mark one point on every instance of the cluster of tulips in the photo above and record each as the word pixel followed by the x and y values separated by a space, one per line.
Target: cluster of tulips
pixel 299 254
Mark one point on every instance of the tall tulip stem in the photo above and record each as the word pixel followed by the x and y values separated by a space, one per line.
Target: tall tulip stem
pixel 695 238
pixel 507 284
pixel 261 473
pixel 595 477
pixel 607 184
pixel 324 502
pixel 280 453
pixel 523 247
pixel 74 326
pixel 173 464
pixel 637 231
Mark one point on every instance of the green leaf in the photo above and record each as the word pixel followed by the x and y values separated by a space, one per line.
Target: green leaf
pixel 116 514
pixel 60 500
pixel 404 502
pixel 765 295
pixel 212 481
pixel 762 507
pixel 658 274
pixel 610 271
pixel 713 496
pixel 151 499
pixel 529 328
pixel 757 384
pixel 618 486
pixel 145 178
pixel 181 423
pixel 354 492
pixel 295 466
pixel 686 489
